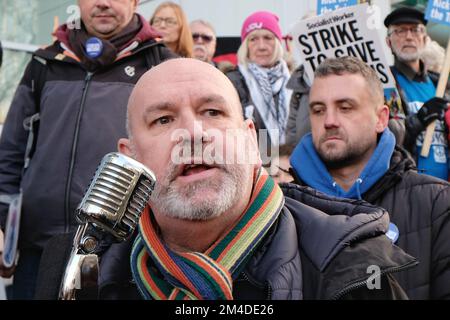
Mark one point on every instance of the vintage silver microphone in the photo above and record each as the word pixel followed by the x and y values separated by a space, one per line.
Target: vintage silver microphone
pixel 110 209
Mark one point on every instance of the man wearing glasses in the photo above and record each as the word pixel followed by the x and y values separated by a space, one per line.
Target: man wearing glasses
pixel 417 86
pixel 204 38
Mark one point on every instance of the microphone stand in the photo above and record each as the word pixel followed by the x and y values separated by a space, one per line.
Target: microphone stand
pixel 108 213
pixel 82 267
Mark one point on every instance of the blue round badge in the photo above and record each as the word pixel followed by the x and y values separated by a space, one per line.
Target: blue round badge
pixel 393 232
pixel 94 47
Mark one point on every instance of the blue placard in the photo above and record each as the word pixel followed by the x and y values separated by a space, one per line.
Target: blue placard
pixel 438 11
pixel 94 47
pixel 324 6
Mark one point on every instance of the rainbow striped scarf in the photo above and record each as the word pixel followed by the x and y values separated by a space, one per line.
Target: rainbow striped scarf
pixel 161 273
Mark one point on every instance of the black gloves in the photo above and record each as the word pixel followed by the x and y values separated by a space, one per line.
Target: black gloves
pixel 433 109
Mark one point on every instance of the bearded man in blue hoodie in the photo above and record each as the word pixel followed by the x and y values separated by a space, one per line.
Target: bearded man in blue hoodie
pixel 351 153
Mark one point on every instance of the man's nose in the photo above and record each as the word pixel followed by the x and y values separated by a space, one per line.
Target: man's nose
pixel 196 136
pixel 331 119
pixel 194 127
pixel 103 3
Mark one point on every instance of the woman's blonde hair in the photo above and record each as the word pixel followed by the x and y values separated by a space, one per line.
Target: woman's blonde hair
pixel 185 43
pixel 242 53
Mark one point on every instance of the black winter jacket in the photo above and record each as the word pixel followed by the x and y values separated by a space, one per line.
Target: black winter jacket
pixel 296 261
pixel 298 122
pixel 419 205
pixel 82 115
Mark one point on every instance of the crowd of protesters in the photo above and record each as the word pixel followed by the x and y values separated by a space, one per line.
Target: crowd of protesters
pixel 333 134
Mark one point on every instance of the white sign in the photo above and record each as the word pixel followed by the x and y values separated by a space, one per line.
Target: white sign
pixel 351 31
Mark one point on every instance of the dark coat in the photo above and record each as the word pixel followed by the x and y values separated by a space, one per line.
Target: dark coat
pixel 298 122
pixel 419 205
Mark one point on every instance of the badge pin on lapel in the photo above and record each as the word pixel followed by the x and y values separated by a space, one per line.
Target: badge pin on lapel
pixel 94 47
pixel 130 71
pixel 393 232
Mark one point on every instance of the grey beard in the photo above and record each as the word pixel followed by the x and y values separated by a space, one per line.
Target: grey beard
pixel 408 57
pixel 179 204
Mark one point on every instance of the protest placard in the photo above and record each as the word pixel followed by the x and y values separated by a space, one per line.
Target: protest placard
pixel 438 11
pixel 345 32
pixel 326 6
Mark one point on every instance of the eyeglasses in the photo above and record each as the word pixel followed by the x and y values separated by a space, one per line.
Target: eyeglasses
pixel 402 32
pixel 206 38
pixel 170 22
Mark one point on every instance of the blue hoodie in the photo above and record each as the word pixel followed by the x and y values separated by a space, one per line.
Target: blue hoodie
pixel 309 167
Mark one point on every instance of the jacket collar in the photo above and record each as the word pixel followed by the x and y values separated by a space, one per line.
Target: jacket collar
pixel 308 165
pixel 342 240
pixel 401 162
pixel 409 73
pixel 61 50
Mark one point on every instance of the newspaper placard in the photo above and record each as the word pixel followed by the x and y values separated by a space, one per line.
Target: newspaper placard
pixel 352 31
pixel 438 11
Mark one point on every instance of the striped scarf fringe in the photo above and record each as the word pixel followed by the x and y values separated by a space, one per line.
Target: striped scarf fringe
pixel 163 274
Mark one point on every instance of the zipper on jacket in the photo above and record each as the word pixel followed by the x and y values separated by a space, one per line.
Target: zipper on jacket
pixel 245 277
pixel 87 80
pixel 363 283
pixel 269 291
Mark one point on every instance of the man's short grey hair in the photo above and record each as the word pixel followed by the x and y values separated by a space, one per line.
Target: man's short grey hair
pixel 352 65
pixel 205 23
pixel 242 53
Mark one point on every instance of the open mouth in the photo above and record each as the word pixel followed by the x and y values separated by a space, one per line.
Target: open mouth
pixel 190 173
pixel 191 169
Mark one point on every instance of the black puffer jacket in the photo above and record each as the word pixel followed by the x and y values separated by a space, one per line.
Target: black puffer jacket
pixel 296 261
pixel 419 205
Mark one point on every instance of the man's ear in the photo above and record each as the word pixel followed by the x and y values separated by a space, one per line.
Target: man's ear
pixel 124 146
pixel 255 156
pixel 382 118
pixel 388 42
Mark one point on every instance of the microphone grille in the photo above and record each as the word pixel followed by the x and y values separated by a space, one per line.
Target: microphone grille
pixel 117 195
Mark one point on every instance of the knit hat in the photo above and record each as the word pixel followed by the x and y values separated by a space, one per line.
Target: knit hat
pixel 261 20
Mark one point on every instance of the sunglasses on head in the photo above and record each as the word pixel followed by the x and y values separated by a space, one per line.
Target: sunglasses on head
pixel 205 37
